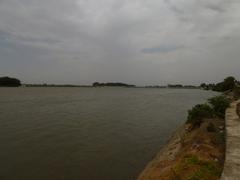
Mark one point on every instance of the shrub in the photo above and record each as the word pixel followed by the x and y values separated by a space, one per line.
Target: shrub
pixel 198 113
pixel 219 104
pixel 217 107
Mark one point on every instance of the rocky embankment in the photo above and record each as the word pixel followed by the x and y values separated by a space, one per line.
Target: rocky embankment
pixel 195 154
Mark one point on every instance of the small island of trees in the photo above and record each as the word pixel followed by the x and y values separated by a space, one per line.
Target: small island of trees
pixel 9 82
pixel 112 84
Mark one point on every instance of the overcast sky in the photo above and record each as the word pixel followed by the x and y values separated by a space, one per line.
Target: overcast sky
pixel 134 41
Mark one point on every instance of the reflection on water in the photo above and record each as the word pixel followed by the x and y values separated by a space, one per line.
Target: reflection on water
pixel 87 133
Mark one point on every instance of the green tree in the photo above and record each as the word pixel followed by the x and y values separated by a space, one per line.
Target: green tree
pixel 228 84
pixel 9 82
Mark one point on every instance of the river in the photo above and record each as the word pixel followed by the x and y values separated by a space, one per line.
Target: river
pixel 87 133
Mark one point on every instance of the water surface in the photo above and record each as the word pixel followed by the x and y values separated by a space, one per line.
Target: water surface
pixel 87 133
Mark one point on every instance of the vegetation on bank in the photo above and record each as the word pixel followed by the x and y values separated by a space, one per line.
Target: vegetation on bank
pixel 219 105
pixel 209 116
pixel 215 107
pixel 203 146
pixel 202 167
pixel 229 83
pixel 191 155
pixel 9 82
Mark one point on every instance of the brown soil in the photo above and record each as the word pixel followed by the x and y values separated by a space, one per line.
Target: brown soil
pixel 193 155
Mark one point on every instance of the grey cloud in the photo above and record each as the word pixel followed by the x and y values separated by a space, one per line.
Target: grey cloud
pixel 214 7
pixel 81 41
pixel 173 7
pixel 162 49
pixel 18 38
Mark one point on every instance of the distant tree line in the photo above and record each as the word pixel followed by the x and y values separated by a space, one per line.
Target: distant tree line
pixel 54 85
pixel 182 86
pixel 175 85
pixel 9 82
pixel 155 86
pixel 112 84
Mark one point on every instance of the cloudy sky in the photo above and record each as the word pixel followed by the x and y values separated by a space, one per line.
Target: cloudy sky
pixel 133 41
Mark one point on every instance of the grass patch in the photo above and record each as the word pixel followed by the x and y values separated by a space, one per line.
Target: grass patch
pixel 191 159
pixel 203 169
pixel 197 175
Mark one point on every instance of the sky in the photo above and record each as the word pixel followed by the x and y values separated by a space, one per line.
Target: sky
pixel 140 42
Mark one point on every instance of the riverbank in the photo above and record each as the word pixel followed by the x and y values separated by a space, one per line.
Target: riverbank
pixel 206 146
pixel 195 154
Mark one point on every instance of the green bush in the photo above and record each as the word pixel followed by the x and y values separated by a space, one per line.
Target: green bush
pixel 216 107
pixel 219 105
pixel 198 113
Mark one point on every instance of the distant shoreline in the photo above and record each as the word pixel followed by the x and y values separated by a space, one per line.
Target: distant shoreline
pixel 14 82
pixel 89 86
